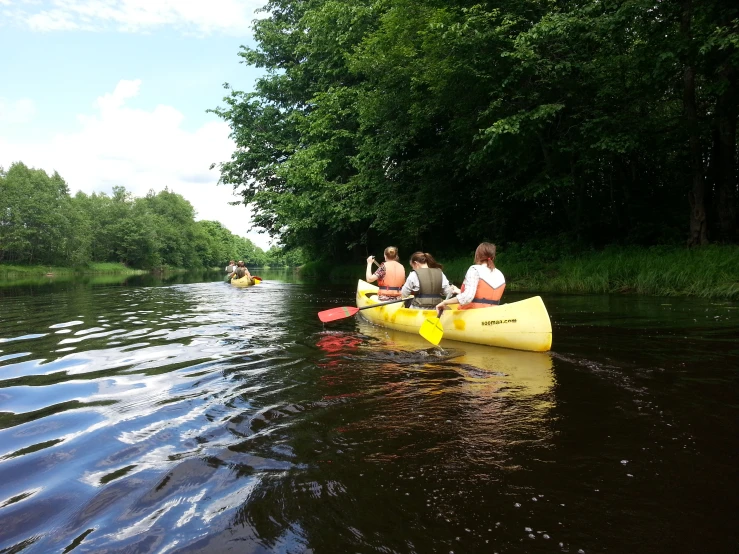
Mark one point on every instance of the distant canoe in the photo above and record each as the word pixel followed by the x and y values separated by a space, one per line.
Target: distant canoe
pixel 245 282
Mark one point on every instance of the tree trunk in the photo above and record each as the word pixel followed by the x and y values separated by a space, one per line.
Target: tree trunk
pixel 712 179
pixel 696 196
pixel 726 193
pixel 579 186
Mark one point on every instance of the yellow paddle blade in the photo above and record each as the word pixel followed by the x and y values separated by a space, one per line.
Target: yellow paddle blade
pixel 257 281
pixel 432 330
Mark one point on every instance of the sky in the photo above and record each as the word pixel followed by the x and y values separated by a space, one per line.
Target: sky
pixel 116 92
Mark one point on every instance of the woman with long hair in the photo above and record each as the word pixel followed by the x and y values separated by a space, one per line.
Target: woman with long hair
pixel 426 282
pixel 483 284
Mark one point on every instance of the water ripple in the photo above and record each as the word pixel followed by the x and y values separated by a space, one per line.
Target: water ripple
pixel 151 397
pixel 204 418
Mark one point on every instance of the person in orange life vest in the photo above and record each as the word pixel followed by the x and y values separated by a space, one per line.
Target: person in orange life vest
pixel 483 284
pixel 390 276
pixel 426 282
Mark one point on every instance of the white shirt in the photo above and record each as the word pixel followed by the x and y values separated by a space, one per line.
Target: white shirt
pixel 412 285
pixel 493 278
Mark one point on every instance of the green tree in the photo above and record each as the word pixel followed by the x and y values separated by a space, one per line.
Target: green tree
pixel 41 223
pixel 440 124
pixel 175 227
pixel 36 216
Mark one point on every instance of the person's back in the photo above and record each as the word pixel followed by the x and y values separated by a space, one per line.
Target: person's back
pixel 489 286
pixel 427 282
pixel 240 272
pixel 483 285
pixel 430 287
pixel 390 276
pixel 393 280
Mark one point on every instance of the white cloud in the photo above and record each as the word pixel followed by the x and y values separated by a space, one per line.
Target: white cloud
pixel 140 150
pixel 197 16
pixel 20 111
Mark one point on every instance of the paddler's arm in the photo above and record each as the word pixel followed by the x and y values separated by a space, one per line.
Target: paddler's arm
pixel 441 305
pixel 369 277
pixel 447 288
pixel 470 287
pixel 411 285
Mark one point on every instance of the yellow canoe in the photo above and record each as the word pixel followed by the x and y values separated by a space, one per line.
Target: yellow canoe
pixel 522 325
pixel 245 282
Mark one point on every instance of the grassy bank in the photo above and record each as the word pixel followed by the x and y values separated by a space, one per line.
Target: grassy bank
pixel 8 271
pixel 709 272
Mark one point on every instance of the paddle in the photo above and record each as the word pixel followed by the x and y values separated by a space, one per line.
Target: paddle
pixel 257 279
pixel 432 330
pixel 347 311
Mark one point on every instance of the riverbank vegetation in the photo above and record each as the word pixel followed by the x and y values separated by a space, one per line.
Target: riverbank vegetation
pixel 710 272
pixel 43 229
pixel 436 125
pixel 10 271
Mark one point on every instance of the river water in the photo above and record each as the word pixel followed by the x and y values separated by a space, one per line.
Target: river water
pixel 191 416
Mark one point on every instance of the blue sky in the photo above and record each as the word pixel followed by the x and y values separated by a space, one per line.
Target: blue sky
pixel 115 92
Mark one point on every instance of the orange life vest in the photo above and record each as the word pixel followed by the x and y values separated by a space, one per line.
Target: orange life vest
pixel 393 281
pixel 485 296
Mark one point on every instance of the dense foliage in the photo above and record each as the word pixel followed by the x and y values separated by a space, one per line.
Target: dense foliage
pixel 40 223
pixel 436 124
pixel 708 272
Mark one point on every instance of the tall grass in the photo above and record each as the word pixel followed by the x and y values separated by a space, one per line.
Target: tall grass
pixel 9 271
pixel 709 272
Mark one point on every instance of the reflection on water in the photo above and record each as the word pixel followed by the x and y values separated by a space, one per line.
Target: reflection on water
pixel 65 282
pixel 193 416
pixel 485 369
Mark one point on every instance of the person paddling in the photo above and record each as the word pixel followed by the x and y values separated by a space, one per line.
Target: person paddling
pixel 230 270
pixel 242 271
pixel 390 276
pixel 483 284
pixel 426 282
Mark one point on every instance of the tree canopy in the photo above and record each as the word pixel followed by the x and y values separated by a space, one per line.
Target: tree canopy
pixel 436 125
pixel 40 223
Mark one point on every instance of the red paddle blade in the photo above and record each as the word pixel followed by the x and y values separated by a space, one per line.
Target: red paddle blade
pixel 337 313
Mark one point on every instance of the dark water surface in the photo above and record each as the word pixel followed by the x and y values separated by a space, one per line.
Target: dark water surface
pixel 151 416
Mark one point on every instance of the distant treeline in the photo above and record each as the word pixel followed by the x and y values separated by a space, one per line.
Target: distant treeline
pixel 40 223
pixel 434 125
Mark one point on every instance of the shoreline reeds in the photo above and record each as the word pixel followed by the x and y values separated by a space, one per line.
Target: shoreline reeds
pixel 707 272
pixel 12 271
